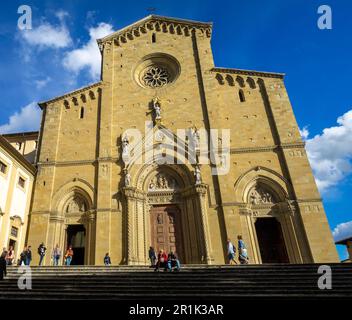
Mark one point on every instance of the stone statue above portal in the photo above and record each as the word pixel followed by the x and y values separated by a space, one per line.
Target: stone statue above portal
pixel 125 149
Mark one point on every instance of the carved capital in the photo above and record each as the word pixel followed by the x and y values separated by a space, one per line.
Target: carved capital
pixel 201 189
pixel 133 193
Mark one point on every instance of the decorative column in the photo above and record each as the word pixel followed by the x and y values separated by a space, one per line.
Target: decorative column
pixel 55 225
pixel 201 191
pixel 134 230
pixel 90 218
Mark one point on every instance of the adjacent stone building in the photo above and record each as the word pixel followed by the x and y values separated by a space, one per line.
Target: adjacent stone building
pixel 100 188
pixel 16 182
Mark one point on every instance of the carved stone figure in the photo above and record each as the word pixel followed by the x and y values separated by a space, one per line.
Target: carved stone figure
pixel 77 204
pixel 198 175
pixel 162 182
pixel 125 149
pixel 127 179
pixel 152 184
pixel 157 108
pixel 195 139
pixel 258 195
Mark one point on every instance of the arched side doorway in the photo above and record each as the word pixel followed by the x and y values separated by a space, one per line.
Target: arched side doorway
pixel 73 223
pixel 271 242
pixel 268 220
pixel 165 209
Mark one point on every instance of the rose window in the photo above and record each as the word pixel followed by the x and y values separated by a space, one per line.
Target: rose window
pixel 156 77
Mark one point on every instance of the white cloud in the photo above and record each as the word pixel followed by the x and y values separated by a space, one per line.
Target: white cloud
pixel 304 133
pixel 61 14
pixel 330 153
pixel 342 231
pixel 27 119
pixel 88 56
pixel 42 83
pixel 47 35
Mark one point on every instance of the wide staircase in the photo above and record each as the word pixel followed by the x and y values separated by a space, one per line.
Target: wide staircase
pixel 193 281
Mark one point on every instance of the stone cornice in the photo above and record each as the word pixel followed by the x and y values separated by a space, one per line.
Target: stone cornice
pixel 249 72
pixel 253 149
pixel 70 94
pixel 116 159
pixel 290 145
pixel 67 163
pixel 309 200
pixel 157 23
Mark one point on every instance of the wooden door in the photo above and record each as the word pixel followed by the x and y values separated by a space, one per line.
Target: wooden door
pixel 166 232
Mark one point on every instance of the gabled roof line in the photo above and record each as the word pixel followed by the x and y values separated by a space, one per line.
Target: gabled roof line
pixel 69 94
pixel 151 18
pixel 249 72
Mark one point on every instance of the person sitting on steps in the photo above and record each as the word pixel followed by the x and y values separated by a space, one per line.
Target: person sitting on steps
pixel 173 262
pixel 162 261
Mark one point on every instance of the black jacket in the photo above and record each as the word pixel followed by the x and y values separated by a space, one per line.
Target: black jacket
pixel 3 265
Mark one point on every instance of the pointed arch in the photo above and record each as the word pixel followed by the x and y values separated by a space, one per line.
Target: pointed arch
pixel 75 187
pixel 265 176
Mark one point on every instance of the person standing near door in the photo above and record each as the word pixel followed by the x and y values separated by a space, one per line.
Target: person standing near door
pixel 56 255
pixel 41 252
pixel 69 256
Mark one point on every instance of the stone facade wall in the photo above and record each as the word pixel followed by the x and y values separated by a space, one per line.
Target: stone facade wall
pixel 85 154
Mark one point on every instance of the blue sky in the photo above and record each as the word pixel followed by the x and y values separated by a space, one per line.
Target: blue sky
pixel 59 55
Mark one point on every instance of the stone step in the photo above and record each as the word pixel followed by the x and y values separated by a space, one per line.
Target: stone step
pixel 141 282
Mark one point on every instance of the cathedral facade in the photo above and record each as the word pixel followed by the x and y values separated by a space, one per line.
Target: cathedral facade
pixel 115 175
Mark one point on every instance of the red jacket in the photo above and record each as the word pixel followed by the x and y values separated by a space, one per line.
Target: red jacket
pixel 163 255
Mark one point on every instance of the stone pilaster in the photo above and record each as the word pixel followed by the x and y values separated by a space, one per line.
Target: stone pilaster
pixel 201 191
pixel 134 230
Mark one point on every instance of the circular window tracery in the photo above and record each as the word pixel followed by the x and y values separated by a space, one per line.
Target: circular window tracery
pixel 156 70
pixel 156 77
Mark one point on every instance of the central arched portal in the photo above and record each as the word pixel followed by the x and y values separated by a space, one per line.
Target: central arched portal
pixel 165 209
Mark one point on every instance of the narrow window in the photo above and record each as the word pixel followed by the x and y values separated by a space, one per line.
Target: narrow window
pixel 81 113
pixel 3 167
pixel 21 182
pixel 241 95
pixel 153 38
pixel 14 231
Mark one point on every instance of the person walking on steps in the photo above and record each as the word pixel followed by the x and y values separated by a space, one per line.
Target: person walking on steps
pixel 41 252
pixel 242 251
pixel 231 252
